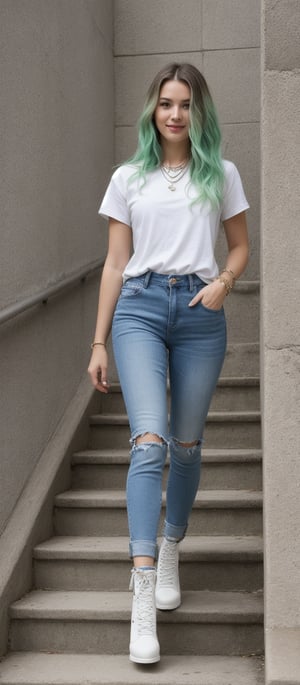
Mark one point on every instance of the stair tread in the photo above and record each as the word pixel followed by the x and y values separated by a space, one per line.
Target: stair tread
pixel 230 381
pixel 31 668
pixel 117 498
pixel 197 606
pixel 115 548
pixel 122 456
pixel 214 416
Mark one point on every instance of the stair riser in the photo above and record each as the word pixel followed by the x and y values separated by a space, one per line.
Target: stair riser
pixel 114 575
pixel 231 434
pixel 203 521
pixel 234 398
pixel 214 476
pixel 112 637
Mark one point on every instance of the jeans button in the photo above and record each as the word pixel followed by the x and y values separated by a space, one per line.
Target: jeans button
pixel 172 281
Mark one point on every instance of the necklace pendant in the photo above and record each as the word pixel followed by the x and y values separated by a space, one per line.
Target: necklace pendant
pixel 172 187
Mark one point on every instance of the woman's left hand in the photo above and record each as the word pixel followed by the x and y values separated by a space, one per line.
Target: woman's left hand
pixel 212 295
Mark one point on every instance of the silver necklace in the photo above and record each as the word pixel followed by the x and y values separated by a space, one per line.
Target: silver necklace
pixel 174 174
pixel 174 169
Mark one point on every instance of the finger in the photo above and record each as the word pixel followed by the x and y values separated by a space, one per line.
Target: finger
pixel 104 383
pixel 102 388
pixel 102 377
pixel 101 384
pixel 195 300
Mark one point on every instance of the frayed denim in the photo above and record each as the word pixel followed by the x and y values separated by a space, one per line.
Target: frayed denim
pixel 156 334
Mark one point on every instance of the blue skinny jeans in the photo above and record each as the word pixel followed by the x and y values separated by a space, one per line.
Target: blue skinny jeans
pixel 156 334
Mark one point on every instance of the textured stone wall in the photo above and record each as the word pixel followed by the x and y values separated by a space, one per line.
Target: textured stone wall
pixel 280 344
pixel 56 119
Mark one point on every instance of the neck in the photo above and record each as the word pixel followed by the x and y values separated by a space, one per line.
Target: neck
pixel 175 154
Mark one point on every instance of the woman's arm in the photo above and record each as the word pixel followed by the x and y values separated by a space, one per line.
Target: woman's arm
pixel 119 250
pixel 236 233
pixel 238 244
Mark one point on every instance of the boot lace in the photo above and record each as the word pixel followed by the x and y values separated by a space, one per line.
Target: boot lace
pixel 145 603
pixel 168 565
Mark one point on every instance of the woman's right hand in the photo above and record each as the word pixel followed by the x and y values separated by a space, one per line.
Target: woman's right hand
pixel 97 368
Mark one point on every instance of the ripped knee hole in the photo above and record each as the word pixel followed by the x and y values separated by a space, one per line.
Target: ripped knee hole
pixel 187 444
pixel 149 437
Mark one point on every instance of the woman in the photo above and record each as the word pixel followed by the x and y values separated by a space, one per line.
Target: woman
pixel 162 293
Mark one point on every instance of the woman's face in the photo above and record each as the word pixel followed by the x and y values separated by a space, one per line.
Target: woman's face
pixel 171 116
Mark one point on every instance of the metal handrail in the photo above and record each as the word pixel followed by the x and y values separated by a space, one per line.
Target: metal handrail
pixel 42 297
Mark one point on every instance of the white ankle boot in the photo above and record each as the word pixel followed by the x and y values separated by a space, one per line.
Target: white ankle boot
pixel 144 645
pixel 167 591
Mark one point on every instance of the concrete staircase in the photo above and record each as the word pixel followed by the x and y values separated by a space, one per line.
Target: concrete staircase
pixel 74 626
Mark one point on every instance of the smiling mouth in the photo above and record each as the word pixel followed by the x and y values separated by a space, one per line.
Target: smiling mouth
pixel 176 127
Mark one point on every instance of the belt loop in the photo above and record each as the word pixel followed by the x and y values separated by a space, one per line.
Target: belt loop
pixel 191 281
pixel 147 279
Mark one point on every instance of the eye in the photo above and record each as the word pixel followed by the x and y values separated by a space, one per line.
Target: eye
pixel 186 105
pixel 164 104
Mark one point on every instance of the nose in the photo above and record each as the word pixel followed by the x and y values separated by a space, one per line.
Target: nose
pixel 176 113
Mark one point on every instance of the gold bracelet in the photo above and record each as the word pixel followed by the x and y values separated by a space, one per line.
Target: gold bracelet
pixel 229 271
pixel 97 343
pixel 228 286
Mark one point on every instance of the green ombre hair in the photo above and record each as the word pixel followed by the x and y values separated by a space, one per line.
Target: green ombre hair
pixel 207 171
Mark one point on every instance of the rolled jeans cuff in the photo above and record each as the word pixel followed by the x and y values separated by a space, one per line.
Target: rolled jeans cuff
pixel 174 532
pixel 143 548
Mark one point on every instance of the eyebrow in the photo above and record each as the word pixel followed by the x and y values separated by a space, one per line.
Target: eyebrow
pixel 169 100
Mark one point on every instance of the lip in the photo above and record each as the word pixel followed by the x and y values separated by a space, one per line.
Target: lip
pixel 174 127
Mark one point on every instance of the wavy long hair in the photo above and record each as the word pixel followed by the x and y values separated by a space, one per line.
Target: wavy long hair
pixel 206 170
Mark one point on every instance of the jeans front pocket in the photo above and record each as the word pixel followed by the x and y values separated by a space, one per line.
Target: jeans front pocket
pixel 209 309
pixel 131 288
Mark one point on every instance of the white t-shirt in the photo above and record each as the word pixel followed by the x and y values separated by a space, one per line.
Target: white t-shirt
pixel 170 235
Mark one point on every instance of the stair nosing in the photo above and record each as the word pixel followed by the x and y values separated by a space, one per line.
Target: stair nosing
pixel 121 419
pixel 254 381
pixel 220 499
pixel 209 455
pixel 197 606
pixel 194 548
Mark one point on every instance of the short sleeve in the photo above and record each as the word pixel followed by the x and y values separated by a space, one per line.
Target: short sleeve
pixel 114 203
pixel 234 200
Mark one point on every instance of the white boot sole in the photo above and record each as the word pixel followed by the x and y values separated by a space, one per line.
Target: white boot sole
pixel 137 660
pixel 168 607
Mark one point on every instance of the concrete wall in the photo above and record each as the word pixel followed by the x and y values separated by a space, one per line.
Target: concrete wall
pixel 57 120
pixel 222 38
pixel 280 345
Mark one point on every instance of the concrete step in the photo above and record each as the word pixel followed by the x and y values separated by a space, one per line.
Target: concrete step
pixel 34 668
pixel 228 623
pixel 232 394
pixel 95 563
pixel 221 469
pixel 215 512
pixel 233 429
